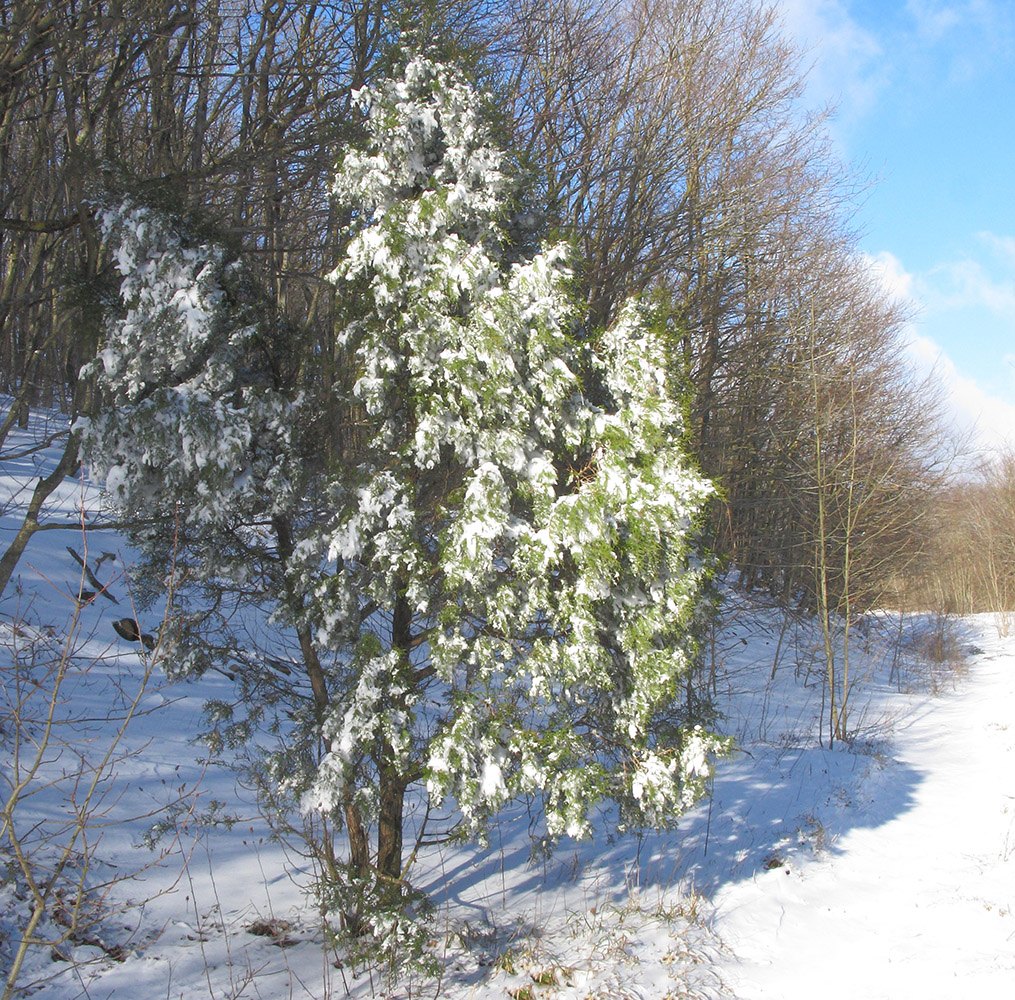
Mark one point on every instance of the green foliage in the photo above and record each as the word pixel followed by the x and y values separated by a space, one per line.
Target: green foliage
pixel 390 927
pixel 499 597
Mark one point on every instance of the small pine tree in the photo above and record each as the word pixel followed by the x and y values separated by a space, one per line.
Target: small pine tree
pixel 194 436
pixel 512 580
pixel 502 600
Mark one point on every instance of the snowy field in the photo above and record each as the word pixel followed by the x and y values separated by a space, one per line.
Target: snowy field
pixel 878 869
pixel 901 880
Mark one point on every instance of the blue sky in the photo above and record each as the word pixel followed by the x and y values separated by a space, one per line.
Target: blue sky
pixel 925 98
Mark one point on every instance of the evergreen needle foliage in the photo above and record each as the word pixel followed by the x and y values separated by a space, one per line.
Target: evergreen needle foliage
pixel 495 596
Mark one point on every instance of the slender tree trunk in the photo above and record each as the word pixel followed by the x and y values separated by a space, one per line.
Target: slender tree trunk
pixel 359 845
pixel 821 549
pixel 30 525
pixel 392 781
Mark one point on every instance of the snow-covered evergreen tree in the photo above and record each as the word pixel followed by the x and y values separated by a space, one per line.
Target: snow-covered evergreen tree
pixel 512 580
pixel 190 426
pixel 502 600
pixel 192 436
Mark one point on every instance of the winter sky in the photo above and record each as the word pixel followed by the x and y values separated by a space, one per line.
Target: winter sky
pixel 925 98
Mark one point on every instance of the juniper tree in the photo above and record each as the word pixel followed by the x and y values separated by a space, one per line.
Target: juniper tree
pixel 497 597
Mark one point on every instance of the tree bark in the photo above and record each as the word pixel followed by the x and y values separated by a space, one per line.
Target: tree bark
pixel 392 781
pixel 30 525
pixel 389 825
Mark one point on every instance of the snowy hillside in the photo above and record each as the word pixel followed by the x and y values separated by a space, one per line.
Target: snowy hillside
pixel 878 868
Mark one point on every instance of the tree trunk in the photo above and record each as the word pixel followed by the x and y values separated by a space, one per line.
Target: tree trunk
pixel 389 824
pixel 30 525
pixel 392 782
pixel 359 844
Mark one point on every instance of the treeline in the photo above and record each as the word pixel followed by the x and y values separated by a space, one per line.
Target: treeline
pixel 665 139
pixel 971 566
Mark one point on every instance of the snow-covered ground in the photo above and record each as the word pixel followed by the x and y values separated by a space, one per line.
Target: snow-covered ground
pixel 911 887
pixel 879 869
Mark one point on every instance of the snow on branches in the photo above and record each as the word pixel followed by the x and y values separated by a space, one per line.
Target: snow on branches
pixel 523 560
pixel 497 596
pixel 181 418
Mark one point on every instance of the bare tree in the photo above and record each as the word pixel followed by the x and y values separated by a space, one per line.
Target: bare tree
pixel 970 566
pixel 673 150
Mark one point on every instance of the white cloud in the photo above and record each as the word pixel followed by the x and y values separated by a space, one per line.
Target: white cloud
pixel 895 279
pixel 847 68
pixel 967 38
pixel 968 284
pixel 934 19
pixel 987 419
pixel 984 280
pixel 941 20
pixel 1003 246
pixel 860 61
pixel 871 57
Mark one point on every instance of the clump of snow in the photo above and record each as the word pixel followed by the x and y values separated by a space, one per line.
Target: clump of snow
pixel 177 421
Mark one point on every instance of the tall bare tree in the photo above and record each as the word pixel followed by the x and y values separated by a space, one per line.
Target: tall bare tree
pixel 673 149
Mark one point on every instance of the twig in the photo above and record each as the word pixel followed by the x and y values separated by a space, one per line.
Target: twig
pixel 102 588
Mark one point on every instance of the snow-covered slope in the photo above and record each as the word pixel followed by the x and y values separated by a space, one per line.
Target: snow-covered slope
pixel 882 868
pixel 914 895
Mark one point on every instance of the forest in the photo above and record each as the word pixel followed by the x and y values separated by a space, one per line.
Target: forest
pixel 451 372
